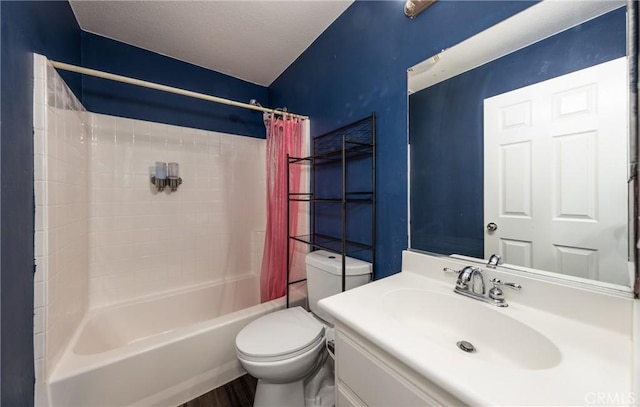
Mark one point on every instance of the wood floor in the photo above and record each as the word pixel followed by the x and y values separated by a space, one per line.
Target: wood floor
pixel 238 393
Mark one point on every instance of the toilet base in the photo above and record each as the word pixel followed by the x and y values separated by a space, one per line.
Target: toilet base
pixel 279 395
pixel 316 390
pixel 320 387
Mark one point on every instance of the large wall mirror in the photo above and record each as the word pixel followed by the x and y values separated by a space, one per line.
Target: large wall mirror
pixel 520 145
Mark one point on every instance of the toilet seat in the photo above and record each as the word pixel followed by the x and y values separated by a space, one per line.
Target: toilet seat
pixel 279 336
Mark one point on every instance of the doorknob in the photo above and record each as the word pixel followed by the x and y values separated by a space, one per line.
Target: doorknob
pixel 491 227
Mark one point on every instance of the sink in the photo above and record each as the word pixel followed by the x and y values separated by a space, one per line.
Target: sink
pixel 544 349
pixel 445 319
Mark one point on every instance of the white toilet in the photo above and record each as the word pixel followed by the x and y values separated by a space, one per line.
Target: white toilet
pixel 286 350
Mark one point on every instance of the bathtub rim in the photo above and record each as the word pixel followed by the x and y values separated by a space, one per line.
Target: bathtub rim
pixel 71 363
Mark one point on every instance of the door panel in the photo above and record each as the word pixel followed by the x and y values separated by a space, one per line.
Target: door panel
pixel 577 262
pixel 575 177
pixel 515 172
pixel 517 252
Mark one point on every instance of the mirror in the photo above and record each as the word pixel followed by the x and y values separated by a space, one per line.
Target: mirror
pixel 519 145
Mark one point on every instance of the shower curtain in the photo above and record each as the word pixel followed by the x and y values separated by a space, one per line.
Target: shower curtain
pixel 284 136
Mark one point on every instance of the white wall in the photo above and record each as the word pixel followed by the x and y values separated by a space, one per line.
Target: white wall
pixel 61 214
pixel 143 241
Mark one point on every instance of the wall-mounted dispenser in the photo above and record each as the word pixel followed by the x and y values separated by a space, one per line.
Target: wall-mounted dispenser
pixel 166 176
pixel 174 176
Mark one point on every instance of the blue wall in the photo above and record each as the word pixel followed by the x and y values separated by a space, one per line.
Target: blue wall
pixel 357 66
pixel 47 28
pixel 447 155
pixel 119 99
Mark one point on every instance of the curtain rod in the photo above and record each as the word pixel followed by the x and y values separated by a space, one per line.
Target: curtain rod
pixel 170 89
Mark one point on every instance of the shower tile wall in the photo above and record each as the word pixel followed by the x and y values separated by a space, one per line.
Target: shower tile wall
pixel 143 241
pixel 104 235
pixel 61 215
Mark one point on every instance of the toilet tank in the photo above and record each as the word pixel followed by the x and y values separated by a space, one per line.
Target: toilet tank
pixel 324 277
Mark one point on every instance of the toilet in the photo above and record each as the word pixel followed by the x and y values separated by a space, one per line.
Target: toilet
pixel 286 350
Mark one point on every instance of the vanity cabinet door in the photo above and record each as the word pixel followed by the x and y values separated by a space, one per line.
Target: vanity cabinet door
pixel 373 380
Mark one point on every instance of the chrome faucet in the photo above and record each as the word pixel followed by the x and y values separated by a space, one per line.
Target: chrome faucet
pixel 470 283
pixel 476 276
pixel 464 277
pixel 494 260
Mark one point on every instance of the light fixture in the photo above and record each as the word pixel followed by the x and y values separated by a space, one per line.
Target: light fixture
pixel 414 7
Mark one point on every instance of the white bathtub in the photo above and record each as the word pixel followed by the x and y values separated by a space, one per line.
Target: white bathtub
pixel 159 351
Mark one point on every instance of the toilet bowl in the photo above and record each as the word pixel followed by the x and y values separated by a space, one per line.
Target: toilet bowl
pixel 281 350
pixel 285 350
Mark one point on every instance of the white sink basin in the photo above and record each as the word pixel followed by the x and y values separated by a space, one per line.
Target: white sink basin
pixel 446 319
pixel 554 345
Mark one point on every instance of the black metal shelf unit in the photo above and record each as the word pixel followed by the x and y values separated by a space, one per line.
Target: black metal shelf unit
pixel 351 147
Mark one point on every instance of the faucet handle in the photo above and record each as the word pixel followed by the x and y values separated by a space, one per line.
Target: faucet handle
pixel 497 282
pixel 496 294
pixel 464 276
pixel 467 269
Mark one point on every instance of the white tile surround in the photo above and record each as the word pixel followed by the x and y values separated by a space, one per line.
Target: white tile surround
pixel 104 235
pixel 144 241
pixel 61 216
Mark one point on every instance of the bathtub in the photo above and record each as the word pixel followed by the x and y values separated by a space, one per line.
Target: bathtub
pixel 158 351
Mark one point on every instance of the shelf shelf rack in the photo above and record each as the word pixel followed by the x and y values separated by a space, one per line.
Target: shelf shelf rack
pixel 355 141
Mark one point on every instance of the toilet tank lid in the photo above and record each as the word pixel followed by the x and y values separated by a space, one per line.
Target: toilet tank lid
pixel 332 263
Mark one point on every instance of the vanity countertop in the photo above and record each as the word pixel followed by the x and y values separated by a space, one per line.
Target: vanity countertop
pixel 590 356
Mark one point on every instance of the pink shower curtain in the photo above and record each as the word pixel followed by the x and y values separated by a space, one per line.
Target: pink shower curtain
pixel 284 136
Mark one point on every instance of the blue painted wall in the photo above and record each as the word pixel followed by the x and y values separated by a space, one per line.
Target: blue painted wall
pixel 357 66
pixel 47 28
pixel 119 99
pixel 447 178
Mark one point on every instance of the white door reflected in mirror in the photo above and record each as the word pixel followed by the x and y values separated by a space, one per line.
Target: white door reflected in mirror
pixel 564 139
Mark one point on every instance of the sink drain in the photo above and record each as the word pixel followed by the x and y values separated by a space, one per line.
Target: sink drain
pixel 466 346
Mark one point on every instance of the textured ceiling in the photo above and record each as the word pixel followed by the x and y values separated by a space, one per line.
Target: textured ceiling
pixel 251 40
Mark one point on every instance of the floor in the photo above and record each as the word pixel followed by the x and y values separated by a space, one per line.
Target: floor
pixel 238 393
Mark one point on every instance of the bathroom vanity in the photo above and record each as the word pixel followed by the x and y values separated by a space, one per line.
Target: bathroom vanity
pixel 367 375
pixel 401 341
